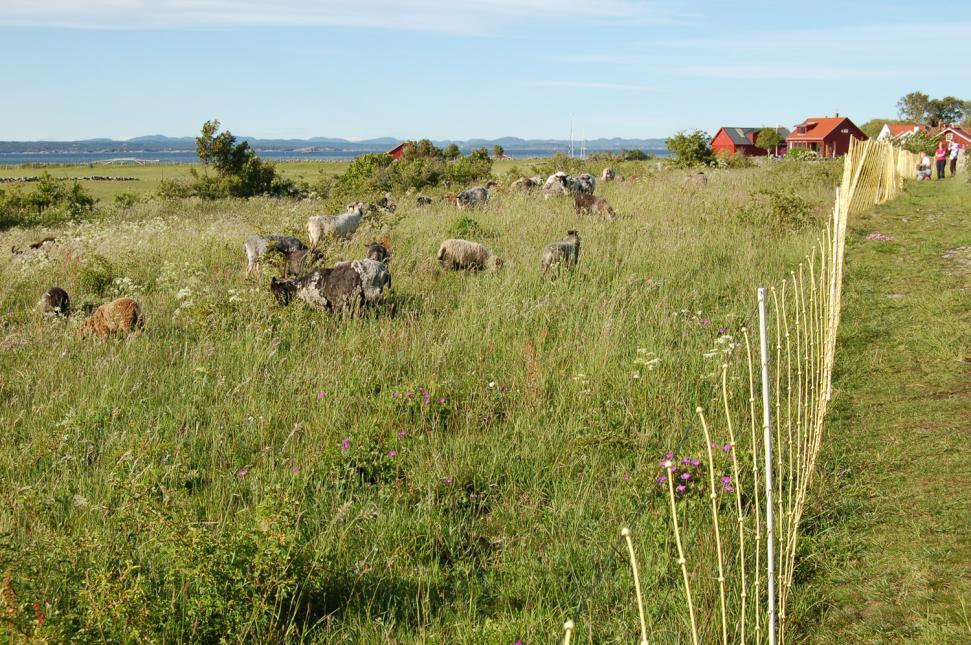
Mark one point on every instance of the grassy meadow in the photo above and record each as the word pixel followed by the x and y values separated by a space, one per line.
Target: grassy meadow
pixel 454 467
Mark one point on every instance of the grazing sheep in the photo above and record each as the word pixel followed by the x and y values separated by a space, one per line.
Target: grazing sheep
pixel 55 301
pixel 346 286
pixel 608 174
pixel 473 197
pixel 697 179
pixel 344 225
pixel 258 246
pixel 561 254
pixel 378 252
pixel 591 204
pixel 423 200
pixel 462 254
pixel 560 183
pixel 524 184
pixel 118 316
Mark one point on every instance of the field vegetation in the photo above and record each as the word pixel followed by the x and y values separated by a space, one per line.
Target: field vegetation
pixel 453 467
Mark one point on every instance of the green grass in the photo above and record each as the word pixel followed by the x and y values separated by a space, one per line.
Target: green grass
pixel 887 557
pixel 189 482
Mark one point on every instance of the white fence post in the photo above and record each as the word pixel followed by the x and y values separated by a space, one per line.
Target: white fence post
pixel 767 428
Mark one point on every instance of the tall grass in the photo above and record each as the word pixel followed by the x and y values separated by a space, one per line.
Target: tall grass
pixel 248 471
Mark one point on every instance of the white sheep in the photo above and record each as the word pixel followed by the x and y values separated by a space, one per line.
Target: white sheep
pixel 462 254
pixel 319 226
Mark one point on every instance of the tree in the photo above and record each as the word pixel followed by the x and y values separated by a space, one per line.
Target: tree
pixel 498 152
pixel 913 106
pixel 690 148
pixel 240 172
pixel 452 152
pixel 946 110
pixel 768 139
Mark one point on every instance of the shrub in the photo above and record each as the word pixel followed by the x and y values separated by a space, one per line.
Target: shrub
pixel 468 228
pixel 724 159
pixel 780 208
pixel 48 202
pixel 801 154
pixel 96 275
pixel 690 148
pixel 127 199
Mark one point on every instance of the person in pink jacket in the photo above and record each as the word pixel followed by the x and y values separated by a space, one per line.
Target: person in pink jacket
pixel 940 156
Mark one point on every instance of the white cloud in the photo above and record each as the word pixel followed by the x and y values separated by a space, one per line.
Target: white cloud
pixel 592 85
pixel 465 16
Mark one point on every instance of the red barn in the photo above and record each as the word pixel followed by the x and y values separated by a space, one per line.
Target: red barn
pixel 397 152
pixel 729 140
pixel 828 136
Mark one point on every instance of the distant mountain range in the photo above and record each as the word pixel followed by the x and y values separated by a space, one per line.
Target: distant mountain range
pixel 161 143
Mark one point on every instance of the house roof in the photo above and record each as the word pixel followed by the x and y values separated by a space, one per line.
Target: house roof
pixel 817 129
pixel 957 130
pixel 739 136
pixel 897 129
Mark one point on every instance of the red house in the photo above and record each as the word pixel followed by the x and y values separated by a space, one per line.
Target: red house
pixel 828 136
pixel 397 152
pixel 729 140
pixel 952 133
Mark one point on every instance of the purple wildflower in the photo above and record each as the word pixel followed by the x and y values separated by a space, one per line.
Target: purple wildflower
pixel 426 395
pixel 346 444
pixel 685 476
pixel 705 322
pixel 670 455
pixel 727 447
pixel 242 472
pixel 626 477
pixel 662 479
pixel 392 453
pixel 680 488
pixel 722 330
pixel 728 488
pixel 726 480
pixel 295 470
pixel 447 480
pixel 320 395
pixel 395 394
pixel 402 433
pixel 441 400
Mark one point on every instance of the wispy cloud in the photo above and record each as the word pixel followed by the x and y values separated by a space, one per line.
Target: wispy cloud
pixel 592 85
pixel 468 16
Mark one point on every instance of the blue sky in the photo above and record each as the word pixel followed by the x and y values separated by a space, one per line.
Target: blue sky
pixel 462 69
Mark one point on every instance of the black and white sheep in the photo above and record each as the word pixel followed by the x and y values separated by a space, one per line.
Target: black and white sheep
pixel 343 226
pixel 462 254
pixel 258 246
pixel 55 301
pixel 564 254
pixel 560 183
pixel 350 285
pixel 471 198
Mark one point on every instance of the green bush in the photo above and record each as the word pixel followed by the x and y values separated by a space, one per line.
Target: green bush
pixel 127 199
pixel 690 148
pixel 801 154
pixel 96 275
pixel 779 207
pixel 468 228
pixel 50 201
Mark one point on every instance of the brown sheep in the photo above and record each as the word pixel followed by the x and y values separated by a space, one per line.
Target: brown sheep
pixel 55 301
pixel 590 204
pixel 118 316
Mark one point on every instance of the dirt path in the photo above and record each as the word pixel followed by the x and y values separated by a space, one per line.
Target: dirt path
pixel 887 557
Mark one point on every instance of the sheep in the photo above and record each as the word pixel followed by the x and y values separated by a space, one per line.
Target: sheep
pixel 122 316
pixel 387 204
pixel 423 200
pixel 258 246
pixel 349 285
pixel 559 183
pixel 697 179
pixel 462 254
pixel 608 174
pixel 55 301
pixel 472 197
pixel 378 252
pixel 344 225
pixel 561 254
pixel 591 204
pixel 524 184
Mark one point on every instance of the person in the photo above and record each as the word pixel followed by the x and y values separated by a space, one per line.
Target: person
pixel 940 156
pixel 924 167
pixel 953 157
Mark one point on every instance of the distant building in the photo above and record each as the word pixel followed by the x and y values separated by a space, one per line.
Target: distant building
pixel 397 152
pixel 899 131
pixel 953 133
pixel 731 140
pixel 826 136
